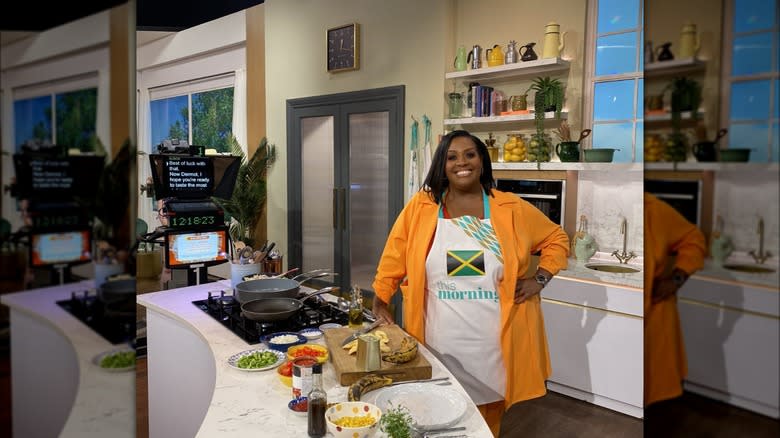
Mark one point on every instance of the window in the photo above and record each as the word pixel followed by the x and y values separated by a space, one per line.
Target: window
pixel 200 112
pixel 752 86
pixel 67 119
pixel 615 73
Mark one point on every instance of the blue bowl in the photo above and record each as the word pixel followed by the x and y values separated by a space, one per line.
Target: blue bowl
pixel 296 406
pixel 279 346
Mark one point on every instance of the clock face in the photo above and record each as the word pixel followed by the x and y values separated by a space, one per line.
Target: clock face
pixel 343 48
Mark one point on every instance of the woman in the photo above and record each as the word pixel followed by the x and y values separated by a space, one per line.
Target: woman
pixel 462 249
pixel 667 233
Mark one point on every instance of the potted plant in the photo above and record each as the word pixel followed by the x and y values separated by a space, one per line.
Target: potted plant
pixel 248 201
pixel 548 97
pixel 111 227
pixel 686 96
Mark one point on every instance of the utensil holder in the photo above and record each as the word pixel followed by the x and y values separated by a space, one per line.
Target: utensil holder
pixel 239 271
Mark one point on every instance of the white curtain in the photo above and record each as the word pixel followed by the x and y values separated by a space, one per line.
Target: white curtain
pixel 146 208
pixel 239 108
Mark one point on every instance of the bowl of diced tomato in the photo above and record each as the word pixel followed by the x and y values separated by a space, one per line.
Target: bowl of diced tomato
pixel 311 350
pixel 284 371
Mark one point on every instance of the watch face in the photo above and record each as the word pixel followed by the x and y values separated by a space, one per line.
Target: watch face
pixel 343 48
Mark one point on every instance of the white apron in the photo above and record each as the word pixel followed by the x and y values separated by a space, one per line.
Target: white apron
pixel 462 317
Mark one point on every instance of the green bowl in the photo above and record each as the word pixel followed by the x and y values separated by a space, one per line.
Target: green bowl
pixel 735 155
pixel 600 155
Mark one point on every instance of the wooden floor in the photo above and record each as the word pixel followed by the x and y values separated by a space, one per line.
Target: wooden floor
pixel 695 416
pixel 557 415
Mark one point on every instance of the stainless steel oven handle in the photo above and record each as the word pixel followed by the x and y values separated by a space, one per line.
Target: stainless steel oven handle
pixel 536 196
pixel 674 196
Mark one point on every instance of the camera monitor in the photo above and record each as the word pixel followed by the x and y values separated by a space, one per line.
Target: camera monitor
pixel 194 177
pixel 203 248
pixel 60 248
pixel 48 177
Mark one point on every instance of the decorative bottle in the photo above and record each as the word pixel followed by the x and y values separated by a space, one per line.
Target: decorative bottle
pixel 355 308
pixel 317 404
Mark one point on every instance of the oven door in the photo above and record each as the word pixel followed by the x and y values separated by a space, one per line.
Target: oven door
pixel 683 196
pixel 546 195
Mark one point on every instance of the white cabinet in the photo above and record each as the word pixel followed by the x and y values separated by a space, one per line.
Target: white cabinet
pixel 732 342
pixel 595 334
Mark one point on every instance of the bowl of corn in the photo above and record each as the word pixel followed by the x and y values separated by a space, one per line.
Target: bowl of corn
pixel 351 419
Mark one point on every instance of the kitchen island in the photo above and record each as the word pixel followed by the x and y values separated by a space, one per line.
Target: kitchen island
pixel 194 392
pixel 53 376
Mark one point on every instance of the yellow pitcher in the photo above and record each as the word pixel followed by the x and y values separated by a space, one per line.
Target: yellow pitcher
pixel 689 41
pixel 553 40
pixel 494 56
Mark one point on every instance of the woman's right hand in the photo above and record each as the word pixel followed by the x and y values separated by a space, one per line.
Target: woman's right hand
pixel 382 313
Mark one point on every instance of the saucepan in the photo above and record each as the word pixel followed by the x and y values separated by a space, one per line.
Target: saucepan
pixel 275 287
pixel 277 308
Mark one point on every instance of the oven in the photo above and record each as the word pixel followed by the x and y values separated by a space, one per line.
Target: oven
pixel 548 195
pixel 683 195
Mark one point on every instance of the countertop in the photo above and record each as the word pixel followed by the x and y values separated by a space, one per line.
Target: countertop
pixel 578 272
pixel 715 272
pixel 242 401
pixel 105 401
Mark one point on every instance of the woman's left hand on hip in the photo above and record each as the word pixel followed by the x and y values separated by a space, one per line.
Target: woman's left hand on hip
pixel 525 289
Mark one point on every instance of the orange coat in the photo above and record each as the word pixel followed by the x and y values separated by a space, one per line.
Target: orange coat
pixel 666 231
pixel 521 229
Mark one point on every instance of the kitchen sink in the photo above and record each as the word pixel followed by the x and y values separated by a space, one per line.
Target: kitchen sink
pixel 755 269
pixel 617 269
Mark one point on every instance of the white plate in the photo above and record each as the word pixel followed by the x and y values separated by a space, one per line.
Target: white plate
pixel 233 360
pixel 99 358
pixel 431 406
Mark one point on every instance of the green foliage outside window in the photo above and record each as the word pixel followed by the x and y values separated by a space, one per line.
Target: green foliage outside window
pixel 212 119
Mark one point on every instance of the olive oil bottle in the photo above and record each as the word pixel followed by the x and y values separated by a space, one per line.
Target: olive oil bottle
pixel 355 308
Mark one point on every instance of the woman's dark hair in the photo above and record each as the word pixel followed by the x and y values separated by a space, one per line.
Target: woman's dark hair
pixel 436 181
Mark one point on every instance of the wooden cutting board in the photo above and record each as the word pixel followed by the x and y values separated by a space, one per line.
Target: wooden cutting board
pixel 345 364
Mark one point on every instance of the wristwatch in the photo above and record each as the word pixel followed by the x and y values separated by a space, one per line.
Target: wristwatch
pixel 541 279
pixel 679 277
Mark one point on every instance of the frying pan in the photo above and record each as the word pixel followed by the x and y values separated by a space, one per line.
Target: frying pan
pixel 274 287
pixel 117 290
pixel 277 308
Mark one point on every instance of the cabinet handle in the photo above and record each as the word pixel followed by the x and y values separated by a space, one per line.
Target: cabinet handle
pixel 343 208
pixel 335 208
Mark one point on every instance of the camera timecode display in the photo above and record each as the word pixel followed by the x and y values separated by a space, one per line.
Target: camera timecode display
pixel 192 221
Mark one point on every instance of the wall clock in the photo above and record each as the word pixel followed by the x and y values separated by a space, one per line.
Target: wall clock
pixel 343 45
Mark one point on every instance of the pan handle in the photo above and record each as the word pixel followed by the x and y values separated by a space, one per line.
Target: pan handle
pixel 320 292
pixel 312 274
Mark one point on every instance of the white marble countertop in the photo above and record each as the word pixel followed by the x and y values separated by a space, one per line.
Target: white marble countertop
pixel 105 401
pixel 244 403
pixel 578 272
pixel 714 271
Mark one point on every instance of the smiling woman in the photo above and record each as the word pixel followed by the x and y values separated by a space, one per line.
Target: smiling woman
pixel 466 234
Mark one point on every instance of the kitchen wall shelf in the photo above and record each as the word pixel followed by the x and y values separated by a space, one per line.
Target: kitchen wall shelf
pixel 518 69
pixel 550 165
pixel 501 120
pixel 675 67
pixel 722 166
pixel 660 120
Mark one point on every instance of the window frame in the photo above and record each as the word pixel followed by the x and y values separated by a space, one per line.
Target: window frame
pixel 51 89
pixel 727 80
pixel 590 78
pixel 188 88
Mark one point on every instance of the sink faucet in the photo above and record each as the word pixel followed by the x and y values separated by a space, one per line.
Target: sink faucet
pixel 624 257
pixel 761 257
